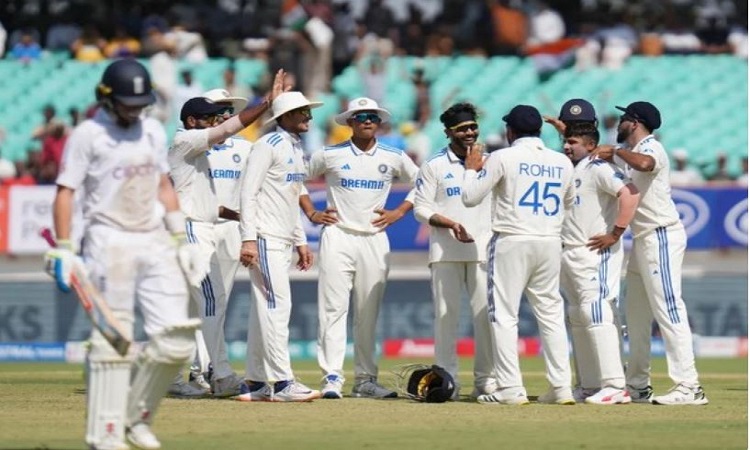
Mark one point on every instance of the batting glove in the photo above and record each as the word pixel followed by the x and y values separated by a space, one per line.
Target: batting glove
pixel 192 262
pixel 58 263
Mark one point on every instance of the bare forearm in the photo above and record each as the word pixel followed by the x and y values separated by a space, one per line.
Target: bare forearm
pixel 236 123
pixel 167 195
pixel 627 204
pixel 439 221
pixel 62 212
pixel 638 161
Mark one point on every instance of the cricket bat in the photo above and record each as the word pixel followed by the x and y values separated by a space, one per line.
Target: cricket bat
pixel 94 304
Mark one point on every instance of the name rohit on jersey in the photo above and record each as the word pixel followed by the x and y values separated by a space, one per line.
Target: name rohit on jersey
pixel 540 170
pixel 362 184
pixel 225 173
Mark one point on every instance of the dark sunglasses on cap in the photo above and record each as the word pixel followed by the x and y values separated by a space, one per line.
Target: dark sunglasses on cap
pixel 465 128
pixel 364 117
pixel 228 110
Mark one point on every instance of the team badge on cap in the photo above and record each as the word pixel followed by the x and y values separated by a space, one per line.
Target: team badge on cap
pixel 575 110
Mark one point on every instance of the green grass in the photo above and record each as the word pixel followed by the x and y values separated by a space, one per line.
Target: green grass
pixel 41 407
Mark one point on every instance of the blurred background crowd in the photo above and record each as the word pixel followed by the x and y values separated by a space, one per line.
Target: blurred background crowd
pixel 415 57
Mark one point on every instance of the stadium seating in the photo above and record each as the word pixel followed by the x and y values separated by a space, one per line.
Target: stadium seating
pixel 703 98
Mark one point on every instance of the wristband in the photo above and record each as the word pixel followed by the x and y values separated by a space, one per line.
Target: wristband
pixel 64 244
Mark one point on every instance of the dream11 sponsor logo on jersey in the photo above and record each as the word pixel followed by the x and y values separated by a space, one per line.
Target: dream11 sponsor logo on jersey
pixel 133 170
pixel 735 222
pixel 694 211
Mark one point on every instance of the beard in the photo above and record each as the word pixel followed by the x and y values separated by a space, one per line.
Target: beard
pixel 622 136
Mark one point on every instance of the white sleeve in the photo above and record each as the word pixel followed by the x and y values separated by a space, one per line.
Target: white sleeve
pixel 477 185
pixel 424 197
pixel 300 238
pixel 189 144
pixel 259 160
pixel 317 165
pixel 609 179
pixel 75 160
pixel 408 172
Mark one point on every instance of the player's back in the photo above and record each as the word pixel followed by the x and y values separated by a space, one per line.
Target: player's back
pixel 534 191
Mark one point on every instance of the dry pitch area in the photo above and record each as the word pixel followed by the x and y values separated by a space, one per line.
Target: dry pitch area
pixel 41 407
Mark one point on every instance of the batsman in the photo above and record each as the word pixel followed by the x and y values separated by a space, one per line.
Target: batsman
pixel 118 159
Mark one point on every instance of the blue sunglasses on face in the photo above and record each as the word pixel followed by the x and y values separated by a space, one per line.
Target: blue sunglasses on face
pixel 364 117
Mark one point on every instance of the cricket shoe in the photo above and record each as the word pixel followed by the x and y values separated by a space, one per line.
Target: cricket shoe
pixel 580 394
pixel 229 386
pixel 110 444
pixel 140 436
pixel 198 381
pixel 484 389
pixel 255 392
pixel 558 396
pixel 332 386
pixel 506 396
pixel 642 395
pixel 609 396
pixel 682 395
pixel 369 388
pixel 181 389
pixel 293 391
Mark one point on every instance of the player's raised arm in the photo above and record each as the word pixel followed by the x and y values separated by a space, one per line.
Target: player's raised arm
pixel 480 176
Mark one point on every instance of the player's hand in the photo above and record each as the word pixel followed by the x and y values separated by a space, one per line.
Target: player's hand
pixel 474 157
pixel 249 254
pixel 279 85
pixel 557 123
pixel 192 262
pixel 305 257
pixel 460 233
pixel 601 242
pixel 605 152
pixel 58 263
pixel 327 217
pixel 387 217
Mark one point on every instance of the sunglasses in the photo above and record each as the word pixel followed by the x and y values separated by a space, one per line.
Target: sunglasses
pixel 465 128
pixel 364 117
pixel 305 112
pixel 228 110
pixel 628 118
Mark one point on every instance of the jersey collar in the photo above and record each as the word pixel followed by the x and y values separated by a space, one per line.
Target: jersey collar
pixel 357 152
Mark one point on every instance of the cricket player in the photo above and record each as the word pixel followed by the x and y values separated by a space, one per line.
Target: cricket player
pixel 532 188
pixel 354 252
pixel 119 160
pixel 458 247
pixel 270 226
pixel 207 120
pixel 591 265
pixel 654 272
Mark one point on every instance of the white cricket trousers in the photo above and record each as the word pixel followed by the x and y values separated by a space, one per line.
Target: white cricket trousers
pixel 528 265
pixel 654 291
pixel 357 264
pixel 449 281
pixel 591 283
pixel 220 244
pixel 270 310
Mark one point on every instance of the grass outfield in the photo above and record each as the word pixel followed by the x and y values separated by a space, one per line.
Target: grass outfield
pixel 41 407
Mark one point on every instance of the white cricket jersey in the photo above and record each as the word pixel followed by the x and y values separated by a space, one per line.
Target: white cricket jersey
pixel 532 187
pixel 271 185
pixel 191 175
pixel 438 191
pixel 119 169
pixel 656 208
pixel 597 184
pixel 358 183
pixel 227 161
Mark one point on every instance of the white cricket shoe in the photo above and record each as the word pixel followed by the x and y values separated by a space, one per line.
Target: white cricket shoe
pixel 140 436
pixel 558 396
pixel 486 389
pixel 682 395
pixel 181 389
pixel 580 394
pixel 507 396
pixel 197 380
pixel 609 396
pixel 255 392
pixel 110 444
pixel 369 388
pixel 228 386
pixel 295 391
pixel 641 395
pixel 332 385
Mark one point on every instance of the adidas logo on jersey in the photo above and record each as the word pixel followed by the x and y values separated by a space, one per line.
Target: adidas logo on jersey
pixel 346 167
pixel 291 161
pixel 449 176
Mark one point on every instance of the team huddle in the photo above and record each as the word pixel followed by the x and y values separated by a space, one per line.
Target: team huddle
pixel 525 220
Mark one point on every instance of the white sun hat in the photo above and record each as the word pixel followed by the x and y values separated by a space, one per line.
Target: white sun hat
pixel 222 96
pixel 289 101
pixel 362 104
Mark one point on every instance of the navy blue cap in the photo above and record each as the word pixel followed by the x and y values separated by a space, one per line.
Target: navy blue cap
pixel 577 109
pixel 524 118
pixel 200 107
pixel 643 112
